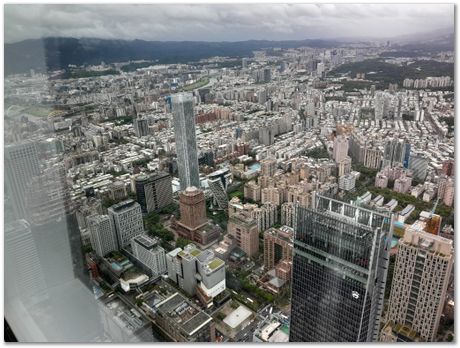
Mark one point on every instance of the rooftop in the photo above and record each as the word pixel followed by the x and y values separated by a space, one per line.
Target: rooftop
pixel 237 317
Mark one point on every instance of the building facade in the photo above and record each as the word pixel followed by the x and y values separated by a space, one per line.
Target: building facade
pixel 184 130
pixel 127 219
pixel 148 251
pixel 102 234
pixel 340 266
pixel 420 280
pixel 153 192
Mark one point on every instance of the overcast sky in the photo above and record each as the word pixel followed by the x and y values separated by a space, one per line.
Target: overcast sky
pixel 232 22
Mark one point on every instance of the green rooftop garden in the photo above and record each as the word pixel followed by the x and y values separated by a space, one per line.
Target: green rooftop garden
pixel 215 263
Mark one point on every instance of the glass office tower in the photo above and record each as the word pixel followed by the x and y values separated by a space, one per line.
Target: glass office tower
pixel 184 131
pixel 341 255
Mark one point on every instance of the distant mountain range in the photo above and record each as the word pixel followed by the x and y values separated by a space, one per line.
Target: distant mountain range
pixel 57 53
pixel 54 53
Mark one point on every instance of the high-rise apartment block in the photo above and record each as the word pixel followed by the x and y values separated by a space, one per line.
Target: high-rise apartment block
pixel 102 234
pixel 127 219
pixel 184 130
pixel 154 191
pixel 244 229
pixel 288 214
pixel 149 252
pixel 340 149
pixel 423 267
pixel 268 167
pixel 252 191
pixel 344 166
pixel 340 264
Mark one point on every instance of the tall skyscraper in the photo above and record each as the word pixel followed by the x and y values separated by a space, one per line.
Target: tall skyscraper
pixel 102 234
pixel 340 265
pixel 420 280
pixel 154 192
pixel 184 130
pixel 21 165
pixel 127 219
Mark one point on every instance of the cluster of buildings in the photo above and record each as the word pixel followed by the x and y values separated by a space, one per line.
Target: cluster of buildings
pixel 140 176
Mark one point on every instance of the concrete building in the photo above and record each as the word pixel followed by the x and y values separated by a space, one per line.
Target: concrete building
pixel 141 126
pixel 127 219
pixel 192 206
pixel 272 329
pixel 288 214
pixel 372 157
pixel 197 272
pixel 266 216
pixel 418 163
pixel 271 195
pixel 402 184
pixel 218 182
pixel 268 167
pixel 421 277
pixel 193 224
pixel 344 166
pixel 149 252
pixel 347 182
pixel 252 191
pixel 184 130
pixel 182 321
pixel 102 234
pixel 340 150
pixel 381 180
pixel 244 230
pixel 153 191
pixel 278 246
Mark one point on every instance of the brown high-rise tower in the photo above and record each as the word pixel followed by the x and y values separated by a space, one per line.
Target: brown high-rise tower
pixel 192 208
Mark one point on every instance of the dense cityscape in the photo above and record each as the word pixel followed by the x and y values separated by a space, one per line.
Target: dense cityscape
pixel 291 195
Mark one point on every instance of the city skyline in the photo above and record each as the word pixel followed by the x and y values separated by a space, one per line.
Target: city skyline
pixel 253 191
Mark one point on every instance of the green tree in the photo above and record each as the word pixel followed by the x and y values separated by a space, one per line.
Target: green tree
pixel 182 242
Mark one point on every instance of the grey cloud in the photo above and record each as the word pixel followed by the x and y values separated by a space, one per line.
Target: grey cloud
pixel 213 22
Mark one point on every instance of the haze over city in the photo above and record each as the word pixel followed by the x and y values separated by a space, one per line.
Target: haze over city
pixel 236 22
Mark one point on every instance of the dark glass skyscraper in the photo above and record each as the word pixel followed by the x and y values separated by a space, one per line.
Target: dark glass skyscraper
pixel 340 264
